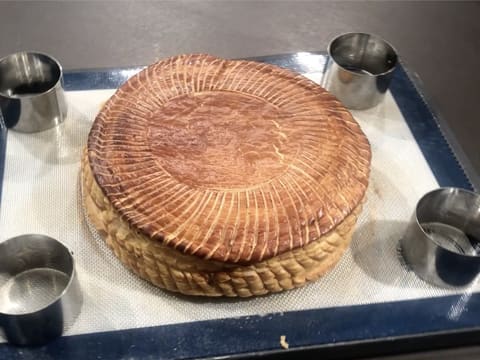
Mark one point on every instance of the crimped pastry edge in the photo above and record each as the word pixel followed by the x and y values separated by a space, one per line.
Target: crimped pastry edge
pixel 170 269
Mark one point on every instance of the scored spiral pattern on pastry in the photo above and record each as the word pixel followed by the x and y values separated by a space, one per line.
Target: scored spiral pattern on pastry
pixel 233 161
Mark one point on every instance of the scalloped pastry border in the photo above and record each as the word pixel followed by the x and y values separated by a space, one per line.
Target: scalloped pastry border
pixel 170 269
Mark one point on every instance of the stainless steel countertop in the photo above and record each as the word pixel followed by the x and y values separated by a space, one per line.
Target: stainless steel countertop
pixel 438 40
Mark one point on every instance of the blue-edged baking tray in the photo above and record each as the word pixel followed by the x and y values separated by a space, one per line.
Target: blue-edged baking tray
pixel 337 332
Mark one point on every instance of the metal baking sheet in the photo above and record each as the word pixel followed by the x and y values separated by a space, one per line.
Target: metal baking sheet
pixel 321 329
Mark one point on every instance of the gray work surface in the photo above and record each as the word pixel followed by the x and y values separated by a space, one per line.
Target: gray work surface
pixel 438 40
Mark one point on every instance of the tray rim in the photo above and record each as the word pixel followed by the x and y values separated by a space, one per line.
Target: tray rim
pixel 458 332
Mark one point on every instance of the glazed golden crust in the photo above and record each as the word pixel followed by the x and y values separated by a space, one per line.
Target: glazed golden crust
pixel 191 275
pixel 232 161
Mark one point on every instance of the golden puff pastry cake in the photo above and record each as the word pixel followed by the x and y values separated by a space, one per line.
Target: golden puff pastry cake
pixel 217 177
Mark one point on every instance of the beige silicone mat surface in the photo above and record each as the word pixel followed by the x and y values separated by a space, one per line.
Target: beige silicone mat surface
pixel 41 194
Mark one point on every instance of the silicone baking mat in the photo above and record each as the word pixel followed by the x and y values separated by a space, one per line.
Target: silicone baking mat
pixel 41 194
